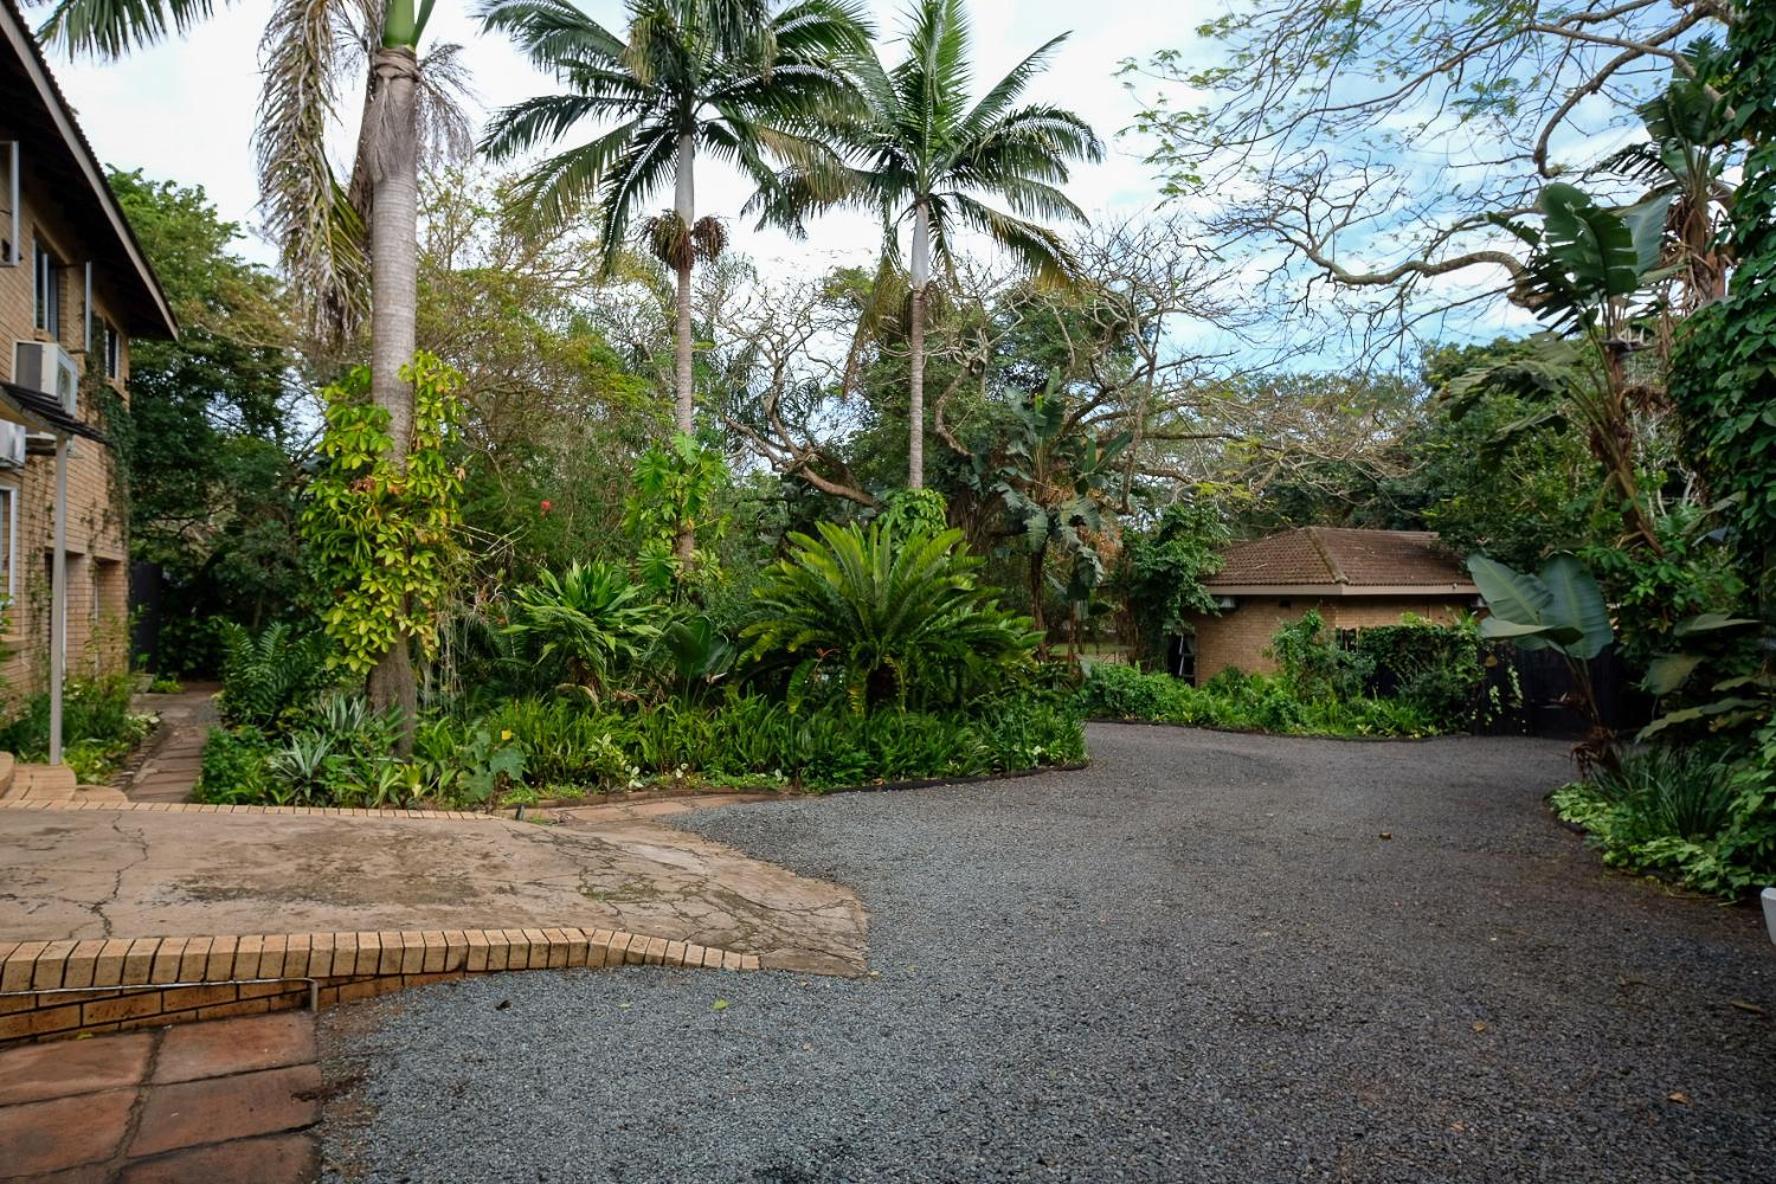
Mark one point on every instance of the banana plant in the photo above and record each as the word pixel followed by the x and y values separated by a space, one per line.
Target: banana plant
pixel 1562 610
pixel 1051 474
pixel 1743 688
pixel 1589 270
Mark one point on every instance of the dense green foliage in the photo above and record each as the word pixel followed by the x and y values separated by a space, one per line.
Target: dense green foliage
pixel 591 620
pixel 559 747
pixel 1725 378
pixel 1245 703
pixel 873 618
pixel 1692 813
pixel 1163 569
pixel 98 728
pixel 380 526
pixel 206 448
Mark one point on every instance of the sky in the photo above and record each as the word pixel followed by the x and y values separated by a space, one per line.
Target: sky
pixel 184 110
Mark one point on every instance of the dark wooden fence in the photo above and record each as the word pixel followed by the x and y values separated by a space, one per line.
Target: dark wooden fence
pixel 1546 684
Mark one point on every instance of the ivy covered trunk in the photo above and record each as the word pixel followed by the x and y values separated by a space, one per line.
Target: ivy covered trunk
pixel 394 234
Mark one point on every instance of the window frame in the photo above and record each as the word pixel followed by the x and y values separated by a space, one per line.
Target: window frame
pixel 9 516
pixel 111 345
pixel 46 288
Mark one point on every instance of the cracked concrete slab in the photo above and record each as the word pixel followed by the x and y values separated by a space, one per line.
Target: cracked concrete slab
pixel 102 873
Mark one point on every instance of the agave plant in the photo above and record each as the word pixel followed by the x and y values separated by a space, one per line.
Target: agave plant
pixel 590 616
pixel 881 616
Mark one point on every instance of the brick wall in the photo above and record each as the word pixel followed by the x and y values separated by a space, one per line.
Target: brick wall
pixel 98 592
pixel 1239 636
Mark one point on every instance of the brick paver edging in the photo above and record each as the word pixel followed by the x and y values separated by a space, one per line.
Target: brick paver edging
pixel 201 808
pixel 59 988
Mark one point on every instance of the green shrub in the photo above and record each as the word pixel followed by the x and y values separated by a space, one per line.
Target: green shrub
pixel 234 767
pixel 98 729
pixel 874 619
pixel 1312 663
pixel 1247 703
pixel 528 747
pixel 1685 811
pixel 592 618
pixel 1440 669
pixel 270 679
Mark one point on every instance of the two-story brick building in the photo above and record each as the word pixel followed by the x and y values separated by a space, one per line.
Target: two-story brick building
pixel 75 287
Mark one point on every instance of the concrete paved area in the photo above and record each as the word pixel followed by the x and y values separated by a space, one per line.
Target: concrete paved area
pixel 1207 959
pixel 195 1104
pixel 96 873
pixel 169 771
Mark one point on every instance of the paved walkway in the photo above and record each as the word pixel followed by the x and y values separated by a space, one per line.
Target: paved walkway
pixel 108 873
pixel 170 770
pixel 221 1103
pixel 1207 958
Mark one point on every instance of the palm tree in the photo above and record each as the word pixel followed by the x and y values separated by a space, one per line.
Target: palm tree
pixel 332 236
pixel 917 152
pixel 724 77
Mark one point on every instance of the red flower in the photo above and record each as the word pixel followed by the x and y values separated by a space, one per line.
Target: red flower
pixel 546 506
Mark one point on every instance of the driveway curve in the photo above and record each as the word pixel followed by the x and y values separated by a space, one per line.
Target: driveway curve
pixel 1207 957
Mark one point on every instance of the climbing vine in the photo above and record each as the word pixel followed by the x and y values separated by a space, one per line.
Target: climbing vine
pixel 383 535
pixel 677 489
pixel 1725 372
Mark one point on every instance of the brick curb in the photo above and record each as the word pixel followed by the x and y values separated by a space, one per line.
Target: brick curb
pixel 60 988
pixel 203 808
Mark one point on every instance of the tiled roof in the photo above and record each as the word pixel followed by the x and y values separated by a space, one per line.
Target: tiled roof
pixel 57 152
pixel 1326 555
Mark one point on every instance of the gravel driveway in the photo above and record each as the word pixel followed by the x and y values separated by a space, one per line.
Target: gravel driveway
pixel 1206 958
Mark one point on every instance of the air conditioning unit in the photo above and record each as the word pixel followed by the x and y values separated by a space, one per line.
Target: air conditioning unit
pixel 12 445
pixel 47 368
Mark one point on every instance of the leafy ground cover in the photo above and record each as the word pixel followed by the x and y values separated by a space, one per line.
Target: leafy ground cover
pixel 98 729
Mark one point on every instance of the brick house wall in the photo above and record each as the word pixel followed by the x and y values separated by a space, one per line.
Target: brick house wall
pixel 1239 636
pixel 98 589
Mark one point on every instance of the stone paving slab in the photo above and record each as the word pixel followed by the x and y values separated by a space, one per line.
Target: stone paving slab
pixel 105 1110
pixel 94 874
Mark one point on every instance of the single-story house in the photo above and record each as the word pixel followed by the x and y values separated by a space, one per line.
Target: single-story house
pixel 1356 578
pixel 75 287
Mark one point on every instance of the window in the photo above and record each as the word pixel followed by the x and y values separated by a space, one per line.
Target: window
pixel 9 203
pixel 112 343
pixel 47 307
pixel 8 546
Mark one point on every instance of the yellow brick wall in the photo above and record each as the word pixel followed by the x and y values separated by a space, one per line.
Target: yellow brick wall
pixel 98 591
pixel 1239 636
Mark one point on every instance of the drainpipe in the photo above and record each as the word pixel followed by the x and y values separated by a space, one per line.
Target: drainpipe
pixel 58 602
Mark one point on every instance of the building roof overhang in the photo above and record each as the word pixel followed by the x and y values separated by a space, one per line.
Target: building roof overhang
pixel 39 115
pixel 1345 591
pixel 39 412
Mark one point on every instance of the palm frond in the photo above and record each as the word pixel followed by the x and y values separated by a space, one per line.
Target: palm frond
pixel 1037 249
pixel 321 236
pixel 444 97
pixel 111 28
pixel 553 34
pixel 994 103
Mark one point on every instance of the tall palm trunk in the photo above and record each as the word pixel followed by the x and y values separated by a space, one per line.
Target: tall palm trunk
pixel 394 250
pixel 685 412
pixel 916 348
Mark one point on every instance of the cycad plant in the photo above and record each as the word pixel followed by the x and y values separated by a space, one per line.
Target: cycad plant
pixel 920 154
pixel 591 617
pixel 884 616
